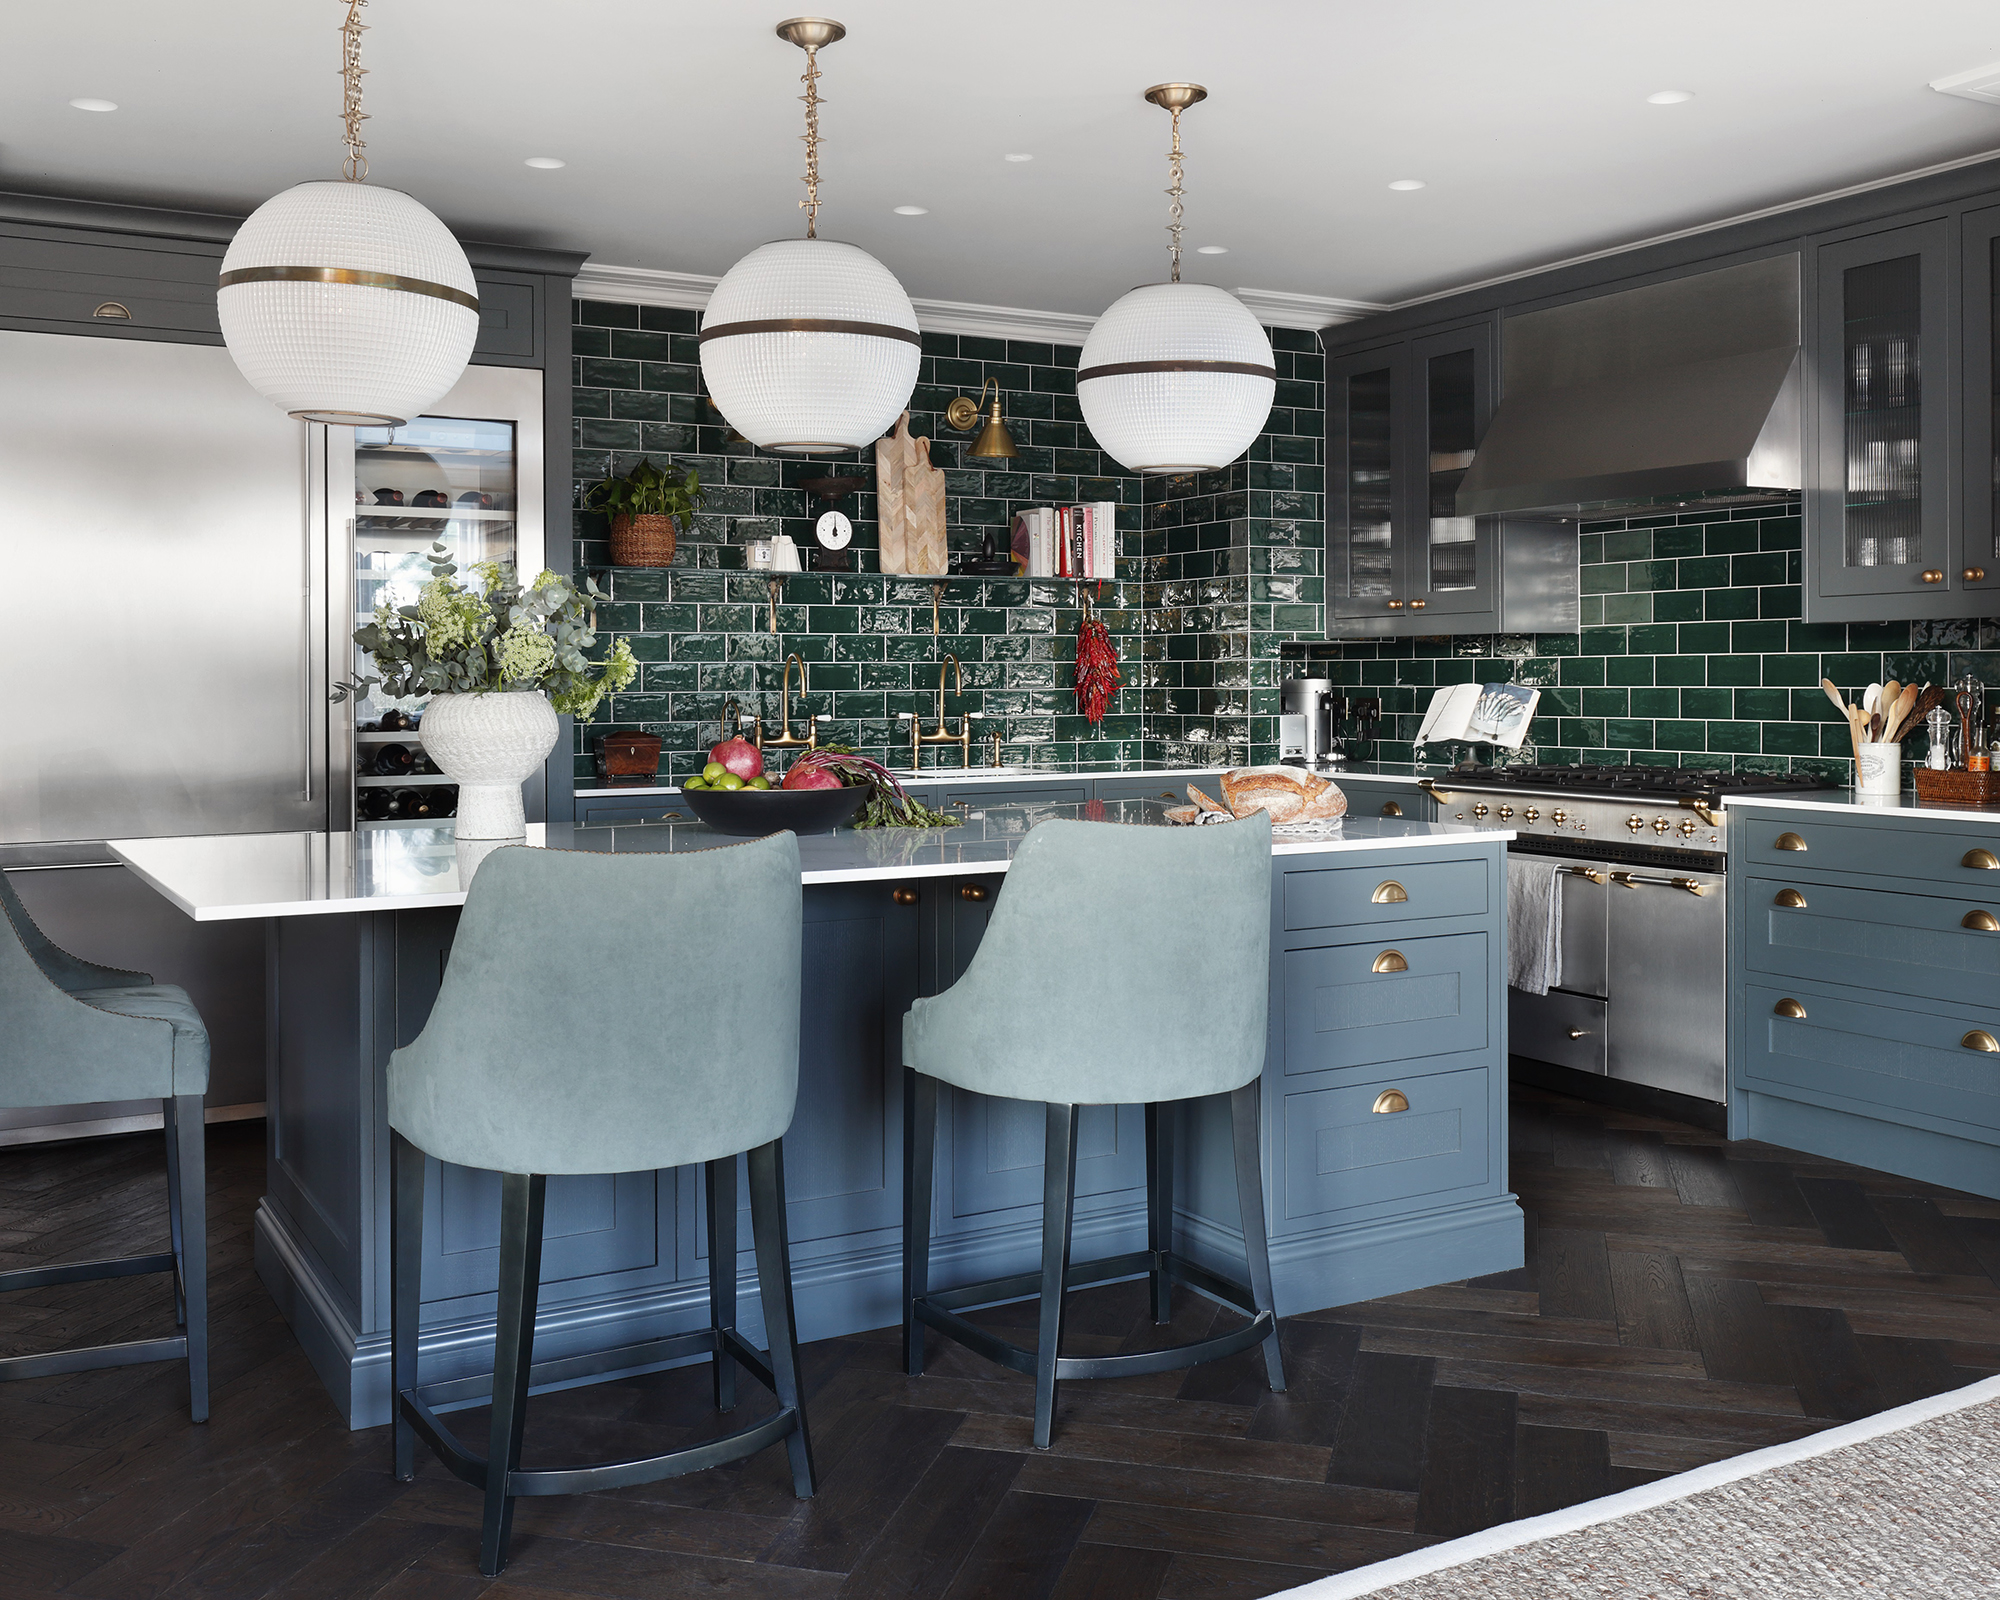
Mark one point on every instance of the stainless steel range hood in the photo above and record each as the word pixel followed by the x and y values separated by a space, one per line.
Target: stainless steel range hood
pixel 1673 393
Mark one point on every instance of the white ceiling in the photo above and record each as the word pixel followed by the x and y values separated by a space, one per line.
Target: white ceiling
pixel 1527 120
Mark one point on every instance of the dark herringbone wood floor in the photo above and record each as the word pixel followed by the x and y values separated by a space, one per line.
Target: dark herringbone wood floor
pixel 1684 1299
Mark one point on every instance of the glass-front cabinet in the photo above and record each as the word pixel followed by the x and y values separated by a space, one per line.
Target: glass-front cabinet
pixel 1881 518
pixel 1978 558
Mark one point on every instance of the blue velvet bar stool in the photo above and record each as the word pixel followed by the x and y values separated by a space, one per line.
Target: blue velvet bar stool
pixel 1122 966
pixel 605 1014
pixel 75 1033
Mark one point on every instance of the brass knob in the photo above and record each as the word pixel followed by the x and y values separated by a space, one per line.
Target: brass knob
pixel 1395 605
pixel 1531 815
pixel 1481 809
pixel 1981 861
pixel 1980 1039
pixel 904 897
pixel 1634 823
pixel 1390 961
pixel 1558 816
pixel 1932 575
pixel 1391 809
pixel 1975 574
pixel 1389 893
pixel 1789 897
pixel 1417 605
pixel 1660 824
pixel 1687 827
pixel 1506 812
pixel 1790 1008
pixel 1980 922
pixel 1578 1033
pixel 1789 841
pixel 975 892
pixel 1391 1100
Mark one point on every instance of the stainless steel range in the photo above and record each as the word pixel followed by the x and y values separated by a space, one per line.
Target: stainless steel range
pixel 1641 853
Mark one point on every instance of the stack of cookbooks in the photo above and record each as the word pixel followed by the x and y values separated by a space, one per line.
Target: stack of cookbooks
pixel 1067 541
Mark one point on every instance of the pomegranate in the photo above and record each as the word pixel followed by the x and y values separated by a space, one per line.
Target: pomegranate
pixel 740 756
pixel 809 775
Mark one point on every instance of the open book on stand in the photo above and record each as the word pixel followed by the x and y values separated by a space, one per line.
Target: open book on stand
pixel 1482 713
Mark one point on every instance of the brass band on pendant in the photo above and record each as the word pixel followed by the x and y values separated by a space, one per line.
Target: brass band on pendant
pixel 367 280
pixel 876 330
pixel 1118 369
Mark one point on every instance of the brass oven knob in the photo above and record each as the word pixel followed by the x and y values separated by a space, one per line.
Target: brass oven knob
pixel 1660 824
pixel 1635 822
pixel 1932 575
pixel 1506 812
pixel 1558 815
pixel 1687 827
pixel 1480 809
pixel 1531 815
pixel 1975 574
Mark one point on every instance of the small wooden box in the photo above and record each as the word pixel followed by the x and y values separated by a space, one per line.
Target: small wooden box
pixel 1957 788
pixel 628 755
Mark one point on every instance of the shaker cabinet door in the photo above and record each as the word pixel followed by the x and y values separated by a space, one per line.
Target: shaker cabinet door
pixel 1975 564
pixel 1367 500
pixel 1448 577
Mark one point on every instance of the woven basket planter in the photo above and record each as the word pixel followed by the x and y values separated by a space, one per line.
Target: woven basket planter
pixel 642 541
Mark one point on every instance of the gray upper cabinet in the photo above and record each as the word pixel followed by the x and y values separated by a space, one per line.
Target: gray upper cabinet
pixel 1882 513
pixel 1403 423
pixel 1977 560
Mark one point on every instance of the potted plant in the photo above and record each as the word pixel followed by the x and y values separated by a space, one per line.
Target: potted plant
pixel 643 507
pixel 499 663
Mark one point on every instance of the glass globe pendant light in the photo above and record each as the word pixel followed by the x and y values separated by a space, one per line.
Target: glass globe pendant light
pixel 810 347
pixel 345 303
pixel 1176 377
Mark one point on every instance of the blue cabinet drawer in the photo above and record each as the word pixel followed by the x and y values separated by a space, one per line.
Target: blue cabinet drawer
pixel 1383 1002
pixel 976 797
pixel 1172 789
pixel 1904 944
pixel 1358 897
pixel 1366 799
pixel 618 813
pixel 1901 1064
pixel 1341 1152
pixel 1962 860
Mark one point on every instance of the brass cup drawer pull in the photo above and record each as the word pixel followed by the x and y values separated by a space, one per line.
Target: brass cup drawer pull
pixel 1980 922
pixel 904 897
pixel 1979 1039
pixel 1789 1007
pixel 1389 893
pixel 112 311
pixel 1789 841
pixel 1789 897
pixel 1980 861
pixel 1391 1100
pixel 1391 809
pixel 974 892
pixel 1390 961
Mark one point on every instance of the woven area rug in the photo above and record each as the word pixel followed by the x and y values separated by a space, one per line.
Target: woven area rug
pixel 1904 1505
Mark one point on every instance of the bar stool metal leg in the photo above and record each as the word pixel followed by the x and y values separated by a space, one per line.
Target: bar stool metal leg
pixel 189 1181
pixel 521 1203
pixel 406 1241
pixel 721 1183
pixel 774 1286
pixel 920 1109
pixel 173 1143
pixel 1243 1117
pixel 1058 1204
pixel 1160 1204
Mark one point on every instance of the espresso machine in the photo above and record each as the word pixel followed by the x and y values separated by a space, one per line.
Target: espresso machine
pixel 1309 718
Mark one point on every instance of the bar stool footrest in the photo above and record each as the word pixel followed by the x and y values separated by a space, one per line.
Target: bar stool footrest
pixel 86 1271
pixel 703 1341
pixel 133 1353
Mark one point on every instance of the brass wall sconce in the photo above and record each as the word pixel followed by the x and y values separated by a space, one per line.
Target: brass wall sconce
pixel 994 440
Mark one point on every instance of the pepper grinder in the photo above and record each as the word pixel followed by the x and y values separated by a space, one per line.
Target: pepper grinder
pixel 1971 699
pixel 1938 726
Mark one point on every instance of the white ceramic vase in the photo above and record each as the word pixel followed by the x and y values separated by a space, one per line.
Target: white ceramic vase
pixel 1878 769
pixel 489 744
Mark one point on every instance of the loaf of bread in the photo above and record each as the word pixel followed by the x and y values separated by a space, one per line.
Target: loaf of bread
pixel 1289 794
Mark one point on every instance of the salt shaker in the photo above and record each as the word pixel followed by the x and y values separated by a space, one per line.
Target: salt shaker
pixel 1938 725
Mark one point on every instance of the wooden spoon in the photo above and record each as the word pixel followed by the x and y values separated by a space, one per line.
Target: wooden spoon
pixel 1899 714
pixel 1833 694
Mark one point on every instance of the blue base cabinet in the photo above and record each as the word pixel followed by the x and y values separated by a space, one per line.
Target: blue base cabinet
pixel 1865 1021
pixel 1384 1128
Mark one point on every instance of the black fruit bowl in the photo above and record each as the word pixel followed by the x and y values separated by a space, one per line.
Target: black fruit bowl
pixel 752 813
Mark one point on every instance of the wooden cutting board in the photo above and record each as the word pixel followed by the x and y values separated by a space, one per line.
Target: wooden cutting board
pixel 909 499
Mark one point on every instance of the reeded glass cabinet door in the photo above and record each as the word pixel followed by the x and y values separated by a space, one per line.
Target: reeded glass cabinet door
pixel 1365 498
pixel 1448 563
pixel 1881 498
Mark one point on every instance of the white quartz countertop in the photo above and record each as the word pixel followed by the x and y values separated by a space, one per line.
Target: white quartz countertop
pixel 226 877
pixel 640 788
pixel 1850 803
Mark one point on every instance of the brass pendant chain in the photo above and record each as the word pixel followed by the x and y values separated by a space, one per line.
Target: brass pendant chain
pixel 810 205
pixel 355 168
pixel 1174 197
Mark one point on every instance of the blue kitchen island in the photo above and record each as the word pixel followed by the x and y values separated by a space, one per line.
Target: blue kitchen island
pixel 1384 1090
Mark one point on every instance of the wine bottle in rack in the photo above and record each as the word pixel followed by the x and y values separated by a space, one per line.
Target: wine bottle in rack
pixel 394 761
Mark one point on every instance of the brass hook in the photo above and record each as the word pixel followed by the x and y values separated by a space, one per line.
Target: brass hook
pixel 937 593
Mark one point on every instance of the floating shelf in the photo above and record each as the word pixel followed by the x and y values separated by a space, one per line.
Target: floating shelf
pixel 409 780
pixel 379 513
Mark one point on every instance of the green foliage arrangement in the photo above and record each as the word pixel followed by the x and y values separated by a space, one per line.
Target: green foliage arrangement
pixel 647 491
pixel 457 640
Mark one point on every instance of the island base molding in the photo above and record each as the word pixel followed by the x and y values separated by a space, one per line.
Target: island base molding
pixel 1953 1161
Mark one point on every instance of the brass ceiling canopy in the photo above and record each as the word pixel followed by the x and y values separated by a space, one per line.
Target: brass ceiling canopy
pixel 1168 96
pixel 809 33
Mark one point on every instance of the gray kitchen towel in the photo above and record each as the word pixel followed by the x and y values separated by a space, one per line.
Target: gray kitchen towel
pixel 1534 924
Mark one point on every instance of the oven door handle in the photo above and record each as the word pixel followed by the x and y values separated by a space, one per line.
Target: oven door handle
pixel 1702 809
pixel 1429 786
pixel 1582 872
pixel 1632 880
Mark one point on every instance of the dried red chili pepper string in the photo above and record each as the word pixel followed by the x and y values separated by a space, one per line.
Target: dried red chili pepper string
pixel 1097 675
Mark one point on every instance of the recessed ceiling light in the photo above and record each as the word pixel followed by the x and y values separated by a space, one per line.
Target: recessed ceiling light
pixel 1669 97
pixel 1407 184
pixel 1020 158
pixel 88 104
pixel 546 163
pixel 913 211
pixel 1211 249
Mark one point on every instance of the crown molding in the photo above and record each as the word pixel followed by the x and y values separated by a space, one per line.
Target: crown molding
pixel 689 291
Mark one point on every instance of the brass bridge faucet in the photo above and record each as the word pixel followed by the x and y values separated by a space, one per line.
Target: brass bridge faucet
pixel 941 734
pixel 786 740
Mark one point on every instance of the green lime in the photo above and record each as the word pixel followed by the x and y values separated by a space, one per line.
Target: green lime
pixel 694 783
pixel 729 780
pixel 760 782
pixel 713 771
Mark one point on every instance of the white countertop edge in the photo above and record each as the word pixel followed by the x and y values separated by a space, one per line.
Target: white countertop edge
pixel 283 908
pixel 1849 803
pixel 1010 775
